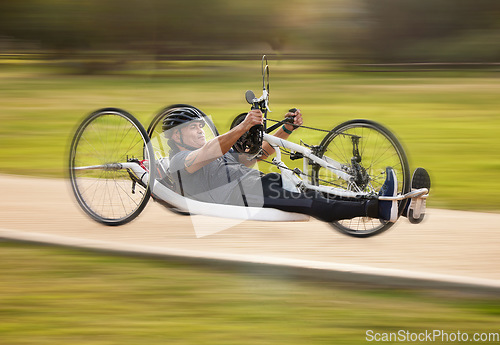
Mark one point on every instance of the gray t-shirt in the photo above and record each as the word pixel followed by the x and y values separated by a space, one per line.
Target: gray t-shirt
pixel 222 181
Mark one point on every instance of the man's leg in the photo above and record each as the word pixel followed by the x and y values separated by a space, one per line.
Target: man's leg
pixel 314 204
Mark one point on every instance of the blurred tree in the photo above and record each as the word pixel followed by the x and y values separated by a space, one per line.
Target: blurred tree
pixel 382 30
pixel 333 26
pixel 414 29
pixel 49 22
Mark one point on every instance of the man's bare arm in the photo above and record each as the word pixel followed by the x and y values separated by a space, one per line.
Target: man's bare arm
pixel 220 145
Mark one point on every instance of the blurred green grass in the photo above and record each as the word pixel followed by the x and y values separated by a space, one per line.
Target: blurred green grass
pixel 448 121
pixel 51 295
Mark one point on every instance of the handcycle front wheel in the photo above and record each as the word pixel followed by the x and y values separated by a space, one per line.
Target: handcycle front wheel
pixel 378 148
pixel 107 192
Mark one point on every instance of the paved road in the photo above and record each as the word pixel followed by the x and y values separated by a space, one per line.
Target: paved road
pixel 449 242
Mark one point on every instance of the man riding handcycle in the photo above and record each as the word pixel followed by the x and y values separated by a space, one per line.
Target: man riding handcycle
pixel 357 179
pixel 215 173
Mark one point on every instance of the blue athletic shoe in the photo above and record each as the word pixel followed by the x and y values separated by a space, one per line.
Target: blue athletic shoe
pixel 388 209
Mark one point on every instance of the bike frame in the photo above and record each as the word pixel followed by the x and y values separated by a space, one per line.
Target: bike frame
pixel 335 167
pixel 330 164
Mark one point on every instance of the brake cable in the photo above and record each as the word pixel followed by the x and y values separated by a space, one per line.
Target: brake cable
pixel 315 129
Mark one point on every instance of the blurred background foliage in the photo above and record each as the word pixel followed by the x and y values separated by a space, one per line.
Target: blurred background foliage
pixel 436 85
pixel 116 31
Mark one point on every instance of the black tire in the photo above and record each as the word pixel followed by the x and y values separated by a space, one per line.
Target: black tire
pixel 378 149
pixel 161 148
pixel 109 136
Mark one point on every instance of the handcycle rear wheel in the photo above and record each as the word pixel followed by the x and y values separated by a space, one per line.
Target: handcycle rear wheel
pixel 378 148
pixel 106 192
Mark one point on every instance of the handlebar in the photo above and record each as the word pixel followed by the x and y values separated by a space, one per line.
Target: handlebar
pixel 262 102
pixel 289 119
pixel 251 142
